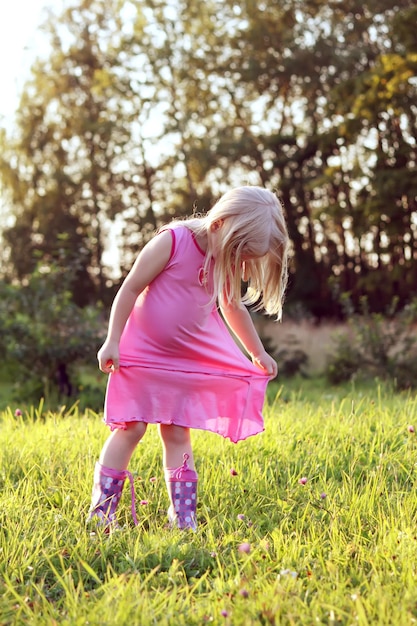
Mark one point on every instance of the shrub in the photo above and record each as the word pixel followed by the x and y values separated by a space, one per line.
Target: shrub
pixel 291 359
pixel 377 345
pixel 45 336
pixel 344 363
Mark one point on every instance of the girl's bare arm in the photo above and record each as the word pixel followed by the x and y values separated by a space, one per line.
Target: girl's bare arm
pixel 240 322
pixel 150 262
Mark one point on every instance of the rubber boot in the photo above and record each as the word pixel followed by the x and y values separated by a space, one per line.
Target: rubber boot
pixel 182 489
pixel 107 491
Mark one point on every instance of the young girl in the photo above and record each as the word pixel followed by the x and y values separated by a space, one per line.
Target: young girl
pixel 171 358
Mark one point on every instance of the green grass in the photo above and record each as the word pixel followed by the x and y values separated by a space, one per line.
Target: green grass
pixel 347 558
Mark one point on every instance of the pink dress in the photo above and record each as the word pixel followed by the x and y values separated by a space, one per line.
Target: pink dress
pixel 178 362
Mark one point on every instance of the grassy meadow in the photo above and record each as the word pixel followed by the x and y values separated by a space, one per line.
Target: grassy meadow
pixel 316 524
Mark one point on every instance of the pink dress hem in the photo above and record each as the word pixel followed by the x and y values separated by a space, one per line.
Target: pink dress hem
pixel 123 426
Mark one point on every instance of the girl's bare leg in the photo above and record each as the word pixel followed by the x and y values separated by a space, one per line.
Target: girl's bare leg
pixel 120 445
pixel 176 441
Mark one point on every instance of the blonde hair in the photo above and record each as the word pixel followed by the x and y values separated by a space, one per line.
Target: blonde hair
pixel 250 224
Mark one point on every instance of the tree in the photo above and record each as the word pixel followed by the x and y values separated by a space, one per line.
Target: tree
pixel 68 170
pixel 146 109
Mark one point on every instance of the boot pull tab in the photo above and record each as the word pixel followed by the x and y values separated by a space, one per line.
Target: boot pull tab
pixel 184 467
pixel 177 472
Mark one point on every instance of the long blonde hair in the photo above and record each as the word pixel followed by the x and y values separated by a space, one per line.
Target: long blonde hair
pixel 250 224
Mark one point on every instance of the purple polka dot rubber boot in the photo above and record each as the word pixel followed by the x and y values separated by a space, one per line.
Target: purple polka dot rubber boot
pixel 107 491
pixel 182 490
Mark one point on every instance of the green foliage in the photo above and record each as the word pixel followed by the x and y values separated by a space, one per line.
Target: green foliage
pixel 345 363
pixel 291 358
pixel 382 346
pixel 339 549
pixel 45 336
pixel 91 387
pixel 144 110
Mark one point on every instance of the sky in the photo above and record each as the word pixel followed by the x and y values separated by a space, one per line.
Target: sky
pixel 19 43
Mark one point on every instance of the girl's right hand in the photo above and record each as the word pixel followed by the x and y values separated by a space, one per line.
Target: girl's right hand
pixel 108 357
pixel 265 362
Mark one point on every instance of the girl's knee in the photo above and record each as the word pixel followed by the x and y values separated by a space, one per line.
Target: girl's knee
pixel 135 430
pixel 172 434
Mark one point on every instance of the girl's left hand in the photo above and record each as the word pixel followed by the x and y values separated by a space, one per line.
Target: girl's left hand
pixel 266 363
pixel 108 356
